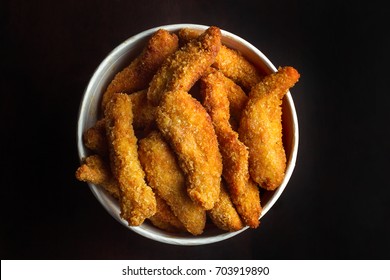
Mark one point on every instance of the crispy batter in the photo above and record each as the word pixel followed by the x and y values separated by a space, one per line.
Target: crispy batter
pixel 143 111
pixel 137 198
pixel 96 171
pixel 237 101
pixel 223 214
pixel 236 96
pixel 160 223
pixel 186 125
pixel 166 178
pixel 186 35
pixel 181 70
pixel 230 62
pixel 233 65
pixel 138 74
pixel 95 137
pixel 244 193
pixel 164 218
pixel 261 128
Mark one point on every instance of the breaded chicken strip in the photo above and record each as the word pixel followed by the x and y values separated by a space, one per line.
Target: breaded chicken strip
pixel 261 128
pixel 96 171
pixel 143 117
pixel 186 125
pixel 137 200
pixel 237 101
pixel 181 70
pixel 138 74
pixel 95 139
pixel 230 62
pixel 166 178
pixel 234 65
pixel 143 111
pixel 165 219
pixel 244 193
pixel 223 214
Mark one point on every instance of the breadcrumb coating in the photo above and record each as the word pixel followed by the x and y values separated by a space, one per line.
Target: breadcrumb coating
pixel 166 178
pixel 244 193
pixel 261 127
pixel 138 74
pixel 193 161
pixel 185 124
pixel 137 200
pixel 164 218
pixel 95 170
pixel 230 62
pixel 181 70
pixel 95 138
pixel 223 214
pixel 237 101
pixel 143 111
pixel 234 66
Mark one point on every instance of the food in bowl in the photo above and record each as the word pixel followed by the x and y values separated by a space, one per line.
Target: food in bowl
pixel 174 137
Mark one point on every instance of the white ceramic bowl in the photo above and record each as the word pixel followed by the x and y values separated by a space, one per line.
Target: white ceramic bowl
pixel 89 109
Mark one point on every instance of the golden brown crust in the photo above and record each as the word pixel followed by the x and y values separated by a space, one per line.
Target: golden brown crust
pixel 138 74
pixel 183 160
pixel 186 35
pixel 230 62
pixel 143 118
pixel 237 101
pixel 166 178
pixel 137 198
pixel 261 128
pixel 186 125
pixel 94 138
pixel 96 171
pixel 181 70
pixel 234 66
pixel 244 193
pixel 143 111
pixel 223 214
pixel 165 219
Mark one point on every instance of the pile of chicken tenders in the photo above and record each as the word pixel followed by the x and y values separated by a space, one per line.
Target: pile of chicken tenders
pixel 189 132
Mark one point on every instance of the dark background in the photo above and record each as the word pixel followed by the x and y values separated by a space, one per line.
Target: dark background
pixel 336 204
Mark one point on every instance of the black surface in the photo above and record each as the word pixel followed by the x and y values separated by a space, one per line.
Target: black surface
pixel 336 204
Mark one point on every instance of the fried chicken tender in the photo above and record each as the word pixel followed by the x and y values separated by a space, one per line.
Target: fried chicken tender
pixel 165 219
pixel 244 193
pixel 261 128
pixel 95 139
pixel 181 70
pixel 161 223
pixel 236 96
pixel 184 122
pixel 143 111
pixel 166 178
pixel 233 65
pixel 223 214
pixel 143 118
pixel 96 171
pixel 137 200
pixel 186 35
pixel 138 74
pixel 237 101
pixel 230 62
